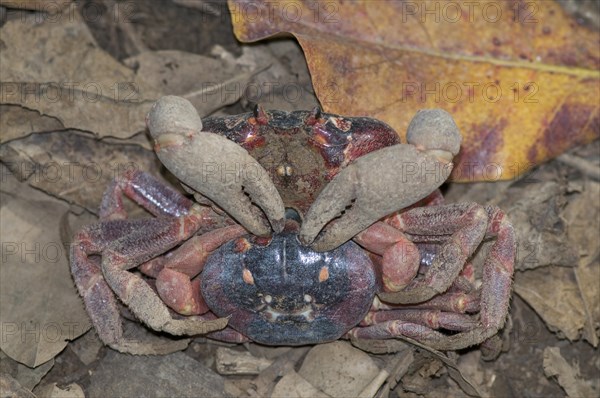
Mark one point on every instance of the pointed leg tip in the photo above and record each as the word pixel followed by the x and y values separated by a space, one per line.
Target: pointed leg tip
pixel 305 240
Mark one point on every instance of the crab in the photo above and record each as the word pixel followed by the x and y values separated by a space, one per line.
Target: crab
pixel 305 227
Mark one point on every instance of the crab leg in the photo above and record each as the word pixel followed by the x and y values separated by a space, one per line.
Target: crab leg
pixel 215 166
pixel 433 319
pixel 154 196
pixel 383 182
pixel 228 334
pixel 446 311
pixel 149 238
pixel 465 223
pixel 99 300
pixel 498 271
pixel 113 232
pixel 392 329
pixel 457 302
pixel 176 268
pixel 174 281
pixel 495 296
pixel 401 259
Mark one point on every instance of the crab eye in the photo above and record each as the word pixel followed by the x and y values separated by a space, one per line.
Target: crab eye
pixel 314 117
pixel 260 116
pixel 317 112
pixel 323 274
pixel 285 170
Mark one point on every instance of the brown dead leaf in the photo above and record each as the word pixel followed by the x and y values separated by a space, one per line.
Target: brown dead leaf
pixel 453 370
pixel 174 375
pixel 472 367
pixel 208 83
pixel 583 216
pixel 292 385
pixel 286 84
pixel 17 122
pixel 520 78
pixel 54 391
pixel 11 388
pixel 67 76
pixel 231 362
pixel 73 167
pixel 554 294
pixel 40 309
pixel 555 365
pixel 266 380
pixel 91 91
pixel 587 275
pixel 535 210
pixel 567 299
pixel 26 376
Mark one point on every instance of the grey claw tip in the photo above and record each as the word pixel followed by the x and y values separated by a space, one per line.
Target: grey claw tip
pixel 304 241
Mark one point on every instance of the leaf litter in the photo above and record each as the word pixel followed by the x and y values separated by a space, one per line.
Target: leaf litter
pixel 58 154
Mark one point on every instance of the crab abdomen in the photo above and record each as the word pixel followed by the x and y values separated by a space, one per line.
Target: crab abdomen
pixel 284 293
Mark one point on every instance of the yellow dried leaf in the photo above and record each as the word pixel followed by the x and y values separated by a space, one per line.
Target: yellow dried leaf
pixel 520 78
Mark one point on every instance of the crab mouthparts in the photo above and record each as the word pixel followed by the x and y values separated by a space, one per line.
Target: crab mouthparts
pixel 305 314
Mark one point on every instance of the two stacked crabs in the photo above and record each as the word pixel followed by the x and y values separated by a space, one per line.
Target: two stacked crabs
pixel 305 227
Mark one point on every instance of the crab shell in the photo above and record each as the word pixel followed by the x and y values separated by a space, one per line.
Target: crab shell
pixel 302 150
pixel 341 174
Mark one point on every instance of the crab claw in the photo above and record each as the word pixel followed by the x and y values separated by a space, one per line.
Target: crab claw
pixel 214 166
pixel 384 181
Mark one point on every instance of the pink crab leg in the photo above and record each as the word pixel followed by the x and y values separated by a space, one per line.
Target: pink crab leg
pixel 391 329
pixel 95 288
pixel 465 224
pixel 495 296
pixel 98 297
pixel 173 271
pixel 498 271
pixel 401 258
pixel 162 200
pixel 145 190
pixel 228 334
pixel 466 279
pixel 158 236
pixel 458 302
pixel 174 282
pixel 465 282
pixel 434 319
pixel 157 198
